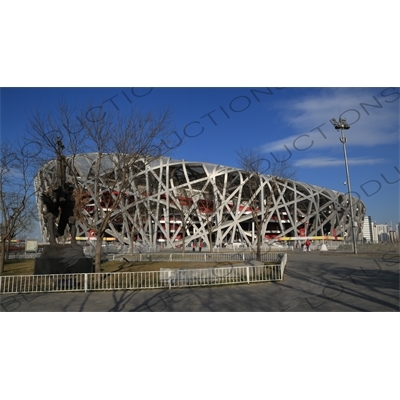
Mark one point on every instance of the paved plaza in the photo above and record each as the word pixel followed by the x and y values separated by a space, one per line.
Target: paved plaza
pixel 313 281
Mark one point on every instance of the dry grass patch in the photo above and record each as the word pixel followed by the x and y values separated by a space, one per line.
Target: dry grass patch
pixel 19 267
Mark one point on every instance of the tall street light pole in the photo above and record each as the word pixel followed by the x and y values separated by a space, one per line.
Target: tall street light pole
pixel 342 125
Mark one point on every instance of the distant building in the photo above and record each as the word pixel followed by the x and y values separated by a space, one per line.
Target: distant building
pixel 374 232
pixel 383 232
pixel 367 230
pixel 393 238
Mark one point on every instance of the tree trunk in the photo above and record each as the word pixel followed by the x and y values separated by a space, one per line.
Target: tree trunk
pixel 7 253
pixel 259 243
pixel 210 239
pixel 183 237
pixel 131 241
pixel 97 257
pixel 2 256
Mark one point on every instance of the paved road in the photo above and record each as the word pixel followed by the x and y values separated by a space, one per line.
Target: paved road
pixel 313 282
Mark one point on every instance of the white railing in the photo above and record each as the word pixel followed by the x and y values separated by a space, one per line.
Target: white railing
pixel 198 257
pixel 142 280
pixel 23 255
pixel 153 254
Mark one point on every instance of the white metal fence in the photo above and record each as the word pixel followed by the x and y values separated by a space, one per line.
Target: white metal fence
pixel 197 257
pixel 22 255
pixel 143 280
pixel 152 254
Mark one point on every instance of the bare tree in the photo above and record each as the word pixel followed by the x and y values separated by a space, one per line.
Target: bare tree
pixel 117 148
pixel 259 198
pixel 282 169
pixel 16 193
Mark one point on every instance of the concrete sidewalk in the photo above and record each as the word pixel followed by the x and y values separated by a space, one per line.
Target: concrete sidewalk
pixel 313 282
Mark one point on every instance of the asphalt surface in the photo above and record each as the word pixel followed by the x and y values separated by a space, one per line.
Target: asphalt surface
pixel 313 281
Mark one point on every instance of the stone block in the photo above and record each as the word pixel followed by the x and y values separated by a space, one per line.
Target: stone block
pixel 63 259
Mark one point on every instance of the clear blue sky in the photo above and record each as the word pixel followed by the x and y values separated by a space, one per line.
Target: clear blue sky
pixel 212 123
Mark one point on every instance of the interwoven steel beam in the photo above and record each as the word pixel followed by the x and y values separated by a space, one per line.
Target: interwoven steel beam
pixel 210 202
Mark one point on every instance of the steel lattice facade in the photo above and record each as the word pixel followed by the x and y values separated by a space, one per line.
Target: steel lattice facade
pixel 174 200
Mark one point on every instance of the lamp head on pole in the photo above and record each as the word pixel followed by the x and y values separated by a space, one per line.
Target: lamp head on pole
pixel 341 124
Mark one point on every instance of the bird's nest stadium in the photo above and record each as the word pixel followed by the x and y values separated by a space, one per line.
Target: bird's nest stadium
pixel 173 203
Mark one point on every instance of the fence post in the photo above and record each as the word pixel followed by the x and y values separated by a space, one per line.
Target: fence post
pixel 170 257
pixel 0 285
pixel 243 256
pixel 248 274
pixel 85 283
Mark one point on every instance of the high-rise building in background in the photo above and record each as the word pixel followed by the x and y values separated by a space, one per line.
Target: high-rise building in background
pixel 393 238
pixel 367 230
pixel 374 233
pixel 383 232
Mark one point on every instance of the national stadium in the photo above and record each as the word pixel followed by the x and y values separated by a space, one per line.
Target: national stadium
pixel 174 203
